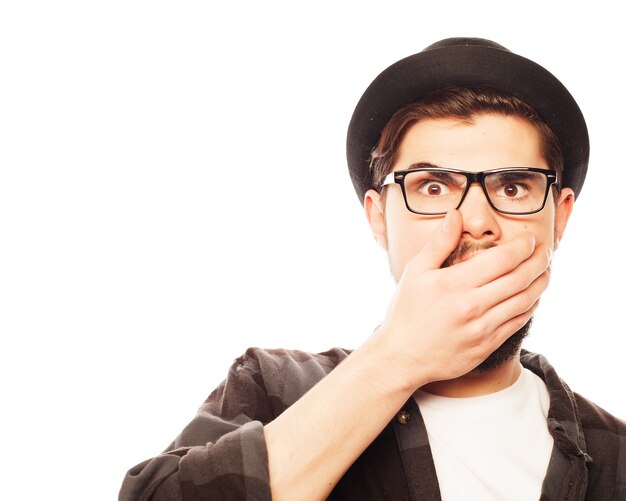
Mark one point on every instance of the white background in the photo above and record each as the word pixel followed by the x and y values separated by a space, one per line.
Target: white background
pixel 174 189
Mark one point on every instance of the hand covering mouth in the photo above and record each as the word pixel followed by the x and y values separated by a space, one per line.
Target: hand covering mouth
pixel 465 250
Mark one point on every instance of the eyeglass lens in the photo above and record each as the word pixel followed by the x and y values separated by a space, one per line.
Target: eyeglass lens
pixel 438 191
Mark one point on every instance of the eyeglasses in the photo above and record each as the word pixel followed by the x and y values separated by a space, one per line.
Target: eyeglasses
pixel 515 190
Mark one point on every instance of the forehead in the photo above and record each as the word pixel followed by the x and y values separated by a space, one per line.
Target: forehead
pixel 486 141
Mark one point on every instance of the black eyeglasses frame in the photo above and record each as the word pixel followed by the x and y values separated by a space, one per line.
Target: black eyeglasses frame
pixel 397 177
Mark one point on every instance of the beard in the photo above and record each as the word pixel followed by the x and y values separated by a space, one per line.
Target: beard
pixel 506 351
pixel 510 348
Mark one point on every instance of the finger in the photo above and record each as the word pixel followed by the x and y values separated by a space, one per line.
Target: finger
pixel 480 351
pixel 492 263
pixel 440 244
pixel 512 325
pixel 517 305
pixel 516 281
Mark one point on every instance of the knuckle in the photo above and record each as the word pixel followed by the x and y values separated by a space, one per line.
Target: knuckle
pixel 512 326
pixel 477 329
pixel 519 321
pixel 522 281
pixel 508 261
pixel 525 300
pixel 469 309
pixel 541 283
pixel 547 274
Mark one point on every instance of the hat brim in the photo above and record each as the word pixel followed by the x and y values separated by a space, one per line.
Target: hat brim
pixel 466 65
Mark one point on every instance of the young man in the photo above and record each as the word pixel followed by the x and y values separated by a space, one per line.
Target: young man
pixel 467 159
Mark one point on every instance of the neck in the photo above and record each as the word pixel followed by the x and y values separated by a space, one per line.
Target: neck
pixel 476 384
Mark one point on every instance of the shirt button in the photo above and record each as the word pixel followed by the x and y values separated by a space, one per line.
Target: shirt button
pixel 403 417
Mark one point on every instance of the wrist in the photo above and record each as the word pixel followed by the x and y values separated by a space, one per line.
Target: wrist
pixel 389 365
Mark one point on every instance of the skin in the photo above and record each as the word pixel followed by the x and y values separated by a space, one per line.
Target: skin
pixel 490 142
pixel 441 323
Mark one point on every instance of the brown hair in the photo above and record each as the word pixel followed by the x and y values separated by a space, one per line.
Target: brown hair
pixel 462 103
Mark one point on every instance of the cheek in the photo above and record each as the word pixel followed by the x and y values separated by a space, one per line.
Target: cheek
pixel 406 236
pixel 543 229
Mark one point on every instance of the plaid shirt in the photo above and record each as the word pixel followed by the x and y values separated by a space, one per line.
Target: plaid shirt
pixel 221 454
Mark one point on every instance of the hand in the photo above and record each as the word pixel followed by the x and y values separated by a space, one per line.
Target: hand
pixel 442 323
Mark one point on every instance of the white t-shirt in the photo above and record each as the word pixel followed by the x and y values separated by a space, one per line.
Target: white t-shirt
pixel 493 447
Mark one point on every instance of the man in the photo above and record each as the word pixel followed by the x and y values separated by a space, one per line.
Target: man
pixel 468 159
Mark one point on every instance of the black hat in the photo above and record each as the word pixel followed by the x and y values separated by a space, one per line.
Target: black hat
pixel 466 62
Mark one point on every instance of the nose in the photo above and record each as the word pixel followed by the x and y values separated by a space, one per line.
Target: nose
pixel 479 218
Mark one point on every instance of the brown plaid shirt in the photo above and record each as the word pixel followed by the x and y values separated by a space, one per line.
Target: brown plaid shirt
pixel 221 454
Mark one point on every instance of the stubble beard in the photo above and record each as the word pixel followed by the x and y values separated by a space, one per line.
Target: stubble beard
pixel 511 347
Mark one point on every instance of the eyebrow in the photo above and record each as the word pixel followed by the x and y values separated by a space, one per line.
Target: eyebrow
pixel 438 173
pixel 425 165
pixel 514 176
pixel 444 176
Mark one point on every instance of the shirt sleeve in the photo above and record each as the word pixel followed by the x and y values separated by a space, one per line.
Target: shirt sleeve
pixel 221 454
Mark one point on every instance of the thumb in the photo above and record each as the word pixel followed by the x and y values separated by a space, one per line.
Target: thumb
pixel 441 243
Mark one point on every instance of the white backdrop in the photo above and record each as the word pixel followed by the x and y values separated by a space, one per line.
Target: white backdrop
pixel 174 189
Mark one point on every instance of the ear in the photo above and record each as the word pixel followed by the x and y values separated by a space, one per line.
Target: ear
pixel 375 213
pixel 563 210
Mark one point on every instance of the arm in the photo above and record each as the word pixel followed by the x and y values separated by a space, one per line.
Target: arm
pixel 440 325
pixel 221 454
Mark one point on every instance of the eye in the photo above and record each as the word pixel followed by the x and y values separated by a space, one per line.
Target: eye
pixel 433 188
pixel 512 190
